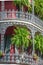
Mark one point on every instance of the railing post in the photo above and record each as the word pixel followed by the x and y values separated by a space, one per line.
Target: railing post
pixel 9 14
pixel 2 9
pixel 13 14
pixel 5 14
pixel 2 6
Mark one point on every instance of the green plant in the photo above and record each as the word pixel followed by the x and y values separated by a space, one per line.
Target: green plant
pixel 1 53
pixel 38 6
pixel 21 3
pixel 39 43
pixel 21 37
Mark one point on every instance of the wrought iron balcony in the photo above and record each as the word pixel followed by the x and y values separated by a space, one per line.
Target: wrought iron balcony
pixel 23 16
pixel 17 58
pixel 12 15
pixel 20 59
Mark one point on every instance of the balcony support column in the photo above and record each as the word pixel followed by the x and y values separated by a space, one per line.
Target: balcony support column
pixel 33 34
pixel 2 42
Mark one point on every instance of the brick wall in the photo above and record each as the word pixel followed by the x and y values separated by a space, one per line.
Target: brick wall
pixel 8 5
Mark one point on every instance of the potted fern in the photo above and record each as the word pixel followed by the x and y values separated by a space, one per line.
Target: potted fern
pixel 21 38
pixel 38 44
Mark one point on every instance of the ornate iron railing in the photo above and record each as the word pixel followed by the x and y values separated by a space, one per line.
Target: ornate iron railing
pixel 8 15
pixel 17 58
pixel 20 59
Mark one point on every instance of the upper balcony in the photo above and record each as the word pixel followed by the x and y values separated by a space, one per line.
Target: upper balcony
pixel 19 15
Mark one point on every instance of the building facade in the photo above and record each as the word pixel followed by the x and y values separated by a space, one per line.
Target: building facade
pixel 9 17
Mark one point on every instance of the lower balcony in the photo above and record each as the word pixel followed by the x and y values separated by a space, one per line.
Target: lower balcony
pixel 17 58
pixel 23 59
pixel 7 30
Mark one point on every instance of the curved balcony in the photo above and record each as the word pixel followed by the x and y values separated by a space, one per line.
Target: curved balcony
pixel 19 15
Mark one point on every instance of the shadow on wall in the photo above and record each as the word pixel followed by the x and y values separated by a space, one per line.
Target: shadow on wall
pixel 7 38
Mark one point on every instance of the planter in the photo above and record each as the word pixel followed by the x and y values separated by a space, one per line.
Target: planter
pixel 35 57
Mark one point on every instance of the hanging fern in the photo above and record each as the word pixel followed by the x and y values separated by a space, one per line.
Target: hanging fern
pixel 39 43
pixel 21 38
